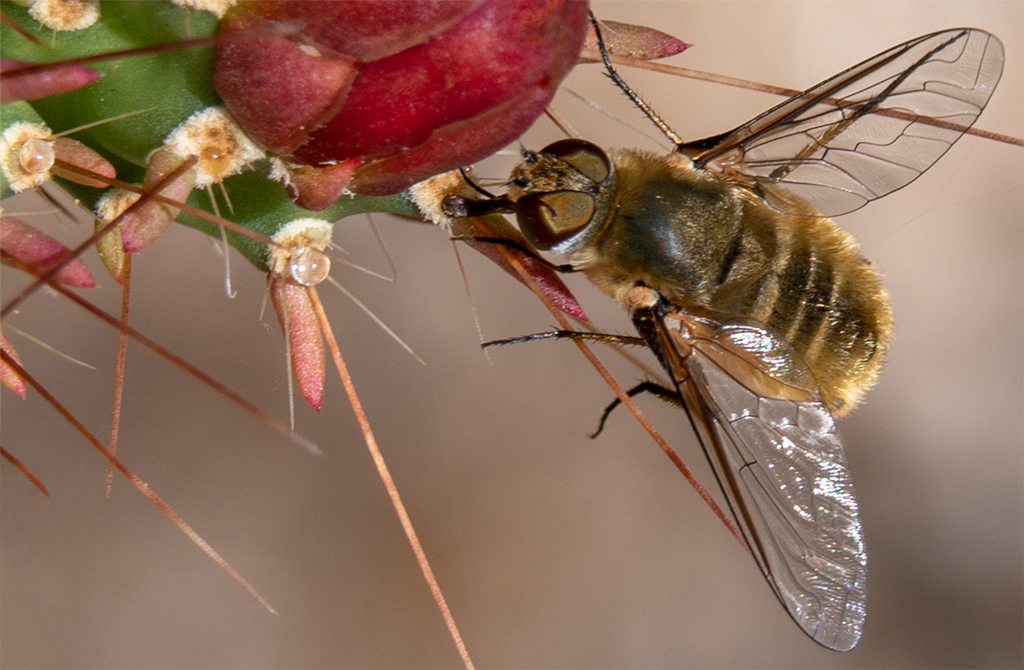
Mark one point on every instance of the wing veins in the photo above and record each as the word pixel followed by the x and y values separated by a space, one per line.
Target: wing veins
pixel 869 107
pixel 808 562
pixel 945 84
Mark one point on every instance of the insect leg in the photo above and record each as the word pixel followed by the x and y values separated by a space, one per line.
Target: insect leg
pixel 630 340
pixel 668 395
pixel 630 93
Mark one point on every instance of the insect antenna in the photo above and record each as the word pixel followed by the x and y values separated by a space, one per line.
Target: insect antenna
pixel 472 184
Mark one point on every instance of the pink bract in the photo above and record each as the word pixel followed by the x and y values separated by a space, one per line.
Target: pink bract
pixel 41 83
pixel 38 252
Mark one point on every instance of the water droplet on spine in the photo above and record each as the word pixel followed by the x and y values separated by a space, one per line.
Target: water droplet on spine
pixel 36 156
pixel 309 266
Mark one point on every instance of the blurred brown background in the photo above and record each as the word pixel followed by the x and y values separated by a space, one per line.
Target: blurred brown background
pixel 553 550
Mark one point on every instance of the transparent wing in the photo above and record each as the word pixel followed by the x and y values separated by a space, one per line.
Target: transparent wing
pixel 865 132
pixel 775 451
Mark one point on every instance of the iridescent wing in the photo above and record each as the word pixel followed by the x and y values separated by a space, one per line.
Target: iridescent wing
pixel 775 452
pixel 865 132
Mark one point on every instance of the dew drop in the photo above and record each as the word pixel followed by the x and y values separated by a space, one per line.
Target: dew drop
pixel 309 266
pixel 36 156
pixel 217 158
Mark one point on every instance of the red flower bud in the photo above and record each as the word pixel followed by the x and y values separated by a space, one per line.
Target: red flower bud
pixel 411 89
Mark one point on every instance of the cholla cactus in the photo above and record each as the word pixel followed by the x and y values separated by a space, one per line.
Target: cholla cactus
pixel 330 90
pixel 263 122
pixel 177 115
pixel 105 583
pixel 344 103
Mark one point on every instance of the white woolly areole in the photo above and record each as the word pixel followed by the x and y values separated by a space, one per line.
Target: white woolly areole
pixel 113 202
pixel 280 171
pixel 212 136
pixel 215 7
pixel 65 14
pixel 309 232
pixel 13 139
pixel 429 193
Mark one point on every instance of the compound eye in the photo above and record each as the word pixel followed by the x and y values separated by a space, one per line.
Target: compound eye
pixel 548 219
pixel 587 157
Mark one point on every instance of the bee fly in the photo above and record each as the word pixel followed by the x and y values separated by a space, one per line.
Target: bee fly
pixel 763 313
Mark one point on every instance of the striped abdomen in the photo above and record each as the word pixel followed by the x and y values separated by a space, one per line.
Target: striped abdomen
pixel 707 245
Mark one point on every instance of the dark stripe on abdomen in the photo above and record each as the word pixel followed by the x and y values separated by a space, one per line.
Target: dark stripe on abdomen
pixel 791 281
pixel 817 304
pixel 731 254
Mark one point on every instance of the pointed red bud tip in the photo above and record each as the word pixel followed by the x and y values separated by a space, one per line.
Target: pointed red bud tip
pixel 41 83
pixel 8 376
pixel 410 89
pixel 317 188
pixel 142 226
pixel 305 342
pixel 639 42
pixel 40 252
pixel 112 253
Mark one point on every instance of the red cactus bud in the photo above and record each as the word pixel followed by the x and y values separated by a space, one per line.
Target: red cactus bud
pixel 277 87
pixel 411 89
pixel 367 30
